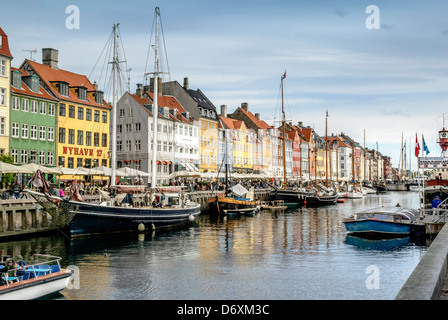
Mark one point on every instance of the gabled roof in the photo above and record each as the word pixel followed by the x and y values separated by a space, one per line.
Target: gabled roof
pixel 172 103
pixel 49 75
pixel 163 101
pixel 4 47
pixel 341 143
pixel 24 89
pixel 261 124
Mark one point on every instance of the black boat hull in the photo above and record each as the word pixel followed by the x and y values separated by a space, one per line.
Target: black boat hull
pixel 93 219
pixel 289 197
pixel 321 200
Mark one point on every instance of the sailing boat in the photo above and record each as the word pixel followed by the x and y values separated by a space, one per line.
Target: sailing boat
pixel 112 216
pixel 288 196
pixel 327 196
pixel 229 205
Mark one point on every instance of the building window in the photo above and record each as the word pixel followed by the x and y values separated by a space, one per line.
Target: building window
pixel 24 131
pixel 42 133
pixel 71 111
pixel 25 105
pixel 80 137
pixel 33 132
pixel 71 136
pixel 15 103
pixel 96 139
pixel 119 146
pixel 61 161
pixel 89 114
pixel 15 130
pixel 104 140
pixel 61 135
pixel 80 113
pixel 43 107
pixel 35 83
pixel 42 157
pixel 104 116
pixel 128 127
pixel 62 109
pixel 96 116
pixel 128 146
pixel 138 145
pixel 2 65
pixel 50 134
pixel 15 155
pixel 138 127
pixel 2 96
pixel 24 156
pixel 82 93
pixel 33 106
pixel 70 162
pixel 2 126
pixel 50 158
pixel 51 109
pixel 63 88
pixel 99 97
pixel 79 162
pixel 88 138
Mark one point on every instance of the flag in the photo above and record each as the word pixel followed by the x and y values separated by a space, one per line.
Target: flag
pixel 284 75
pixel 417 146
pixel 425 147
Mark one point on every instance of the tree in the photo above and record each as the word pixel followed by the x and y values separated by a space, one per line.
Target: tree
pixel 7 177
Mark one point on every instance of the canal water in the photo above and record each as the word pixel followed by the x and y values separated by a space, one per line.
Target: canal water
pixel 299 254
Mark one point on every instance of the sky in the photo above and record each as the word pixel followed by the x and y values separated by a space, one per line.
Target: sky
pixel 390 82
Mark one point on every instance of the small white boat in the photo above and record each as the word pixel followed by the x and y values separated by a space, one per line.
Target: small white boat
pixel 38 281
pixel 354 195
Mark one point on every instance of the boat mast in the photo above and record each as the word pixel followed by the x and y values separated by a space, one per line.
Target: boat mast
pixel 326 151
pixel 114 106
pixel 284 136
pixel 155 108
pixel 353 166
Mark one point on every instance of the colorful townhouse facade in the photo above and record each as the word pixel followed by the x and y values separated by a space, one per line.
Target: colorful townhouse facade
pixel 33 120
pixel 83 117
pixel 5 93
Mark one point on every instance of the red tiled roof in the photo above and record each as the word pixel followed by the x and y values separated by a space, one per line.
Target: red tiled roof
pixel 259 123
pixel 4 47
pixel 163 101
pixel 49 75
pixel 24 89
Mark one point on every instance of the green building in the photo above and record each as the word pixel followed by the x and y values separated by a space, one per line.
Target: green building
pixel 33 118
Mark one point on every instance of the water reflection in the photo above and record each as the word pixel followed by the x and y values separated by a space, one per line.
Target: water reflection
pixel 300 254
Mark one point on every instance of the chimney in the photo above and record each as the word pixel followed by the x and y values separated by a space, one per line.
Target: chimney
pixel 50 57
pixel 95 85
pixel 159 86
pixel 139 91
pixel 300 124
pixel 257 115
pixel 224 110
pixel 186 85
pixel 245 106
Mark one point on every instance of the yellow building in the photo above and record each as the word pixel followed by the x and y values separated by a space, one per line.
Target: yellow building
pixel 242 144
pixel 5 85
pixel 208 142
pixel 83 116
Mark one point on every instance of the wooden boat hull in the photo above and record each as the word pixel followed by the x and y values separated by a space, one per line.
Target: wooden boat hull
pixel 378 227
pixel 92 218
pixel 35 288
pixel 228 206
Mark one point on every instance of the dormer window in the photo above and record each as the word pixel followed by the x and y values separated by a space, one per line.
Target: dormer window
pixel 99 96
pixel 35 83
pixel 17 79
pixel 63 88
pixel 82 93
